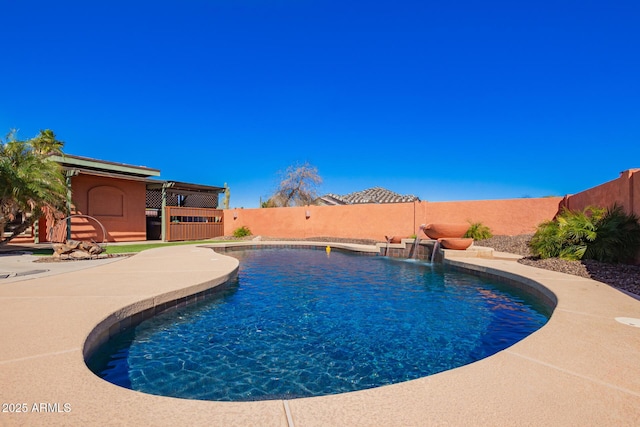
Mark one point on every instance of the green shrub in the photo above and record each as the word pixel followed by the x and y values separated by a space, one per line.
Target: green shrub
pixel 547 242
pixel 478 231
pixel 241 232
pixel 617 239
pixel 609 235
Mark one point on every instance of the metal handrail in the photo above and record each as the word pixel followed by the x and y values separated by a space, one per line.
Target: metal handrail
pixel 63 221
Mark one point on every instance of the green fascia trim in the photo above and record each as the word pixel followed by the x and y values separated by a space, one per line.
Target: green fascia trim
pixel 68 160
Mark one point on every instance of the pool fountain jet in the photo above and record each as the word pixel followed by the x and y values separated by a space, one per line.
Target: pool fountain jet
pixel 436 246
pixel 389 239
pixel 416 242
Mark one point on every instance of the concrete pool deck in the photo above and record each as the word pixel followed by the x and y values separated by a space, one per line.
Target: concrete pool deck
pixel 582 368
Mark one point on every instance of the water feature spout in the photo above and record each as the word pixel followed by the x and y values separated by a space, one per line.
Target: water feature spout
pixel 389 239
pixel 436 246
pixel 417 241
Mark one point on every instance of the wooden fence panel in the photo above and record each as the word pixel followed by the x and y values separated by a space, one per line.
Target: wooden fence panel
pixel 193 223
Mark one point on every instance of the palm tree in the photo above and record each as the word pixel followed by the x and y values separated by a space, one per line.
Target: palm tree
pixel 30 183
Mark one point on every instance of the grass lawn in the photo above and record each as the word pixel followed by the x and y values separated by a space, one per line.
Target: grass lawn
pixel 139 247
pixel 131 248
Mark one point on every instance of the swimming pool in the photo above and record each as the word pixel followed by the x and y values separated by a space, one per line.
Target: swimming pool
pixel 301 323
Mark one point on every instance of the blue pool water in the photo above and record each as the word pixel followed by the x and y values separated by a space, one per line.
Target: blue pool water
pixel 304 323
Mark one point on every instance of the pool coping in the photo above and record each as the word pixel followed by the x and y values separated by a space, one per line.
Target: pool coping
pixel 579 369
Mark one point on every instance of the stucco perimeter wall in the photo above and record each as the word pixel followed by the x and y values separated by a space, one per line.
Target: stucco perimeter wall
pixel 355 221
pixel 375 221
pixel 624 190
pixel 119 205
pixel 504 217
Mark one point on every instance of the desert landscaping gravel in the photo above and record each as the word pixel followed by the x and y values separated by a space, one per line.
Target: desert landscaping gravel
pixel 621 276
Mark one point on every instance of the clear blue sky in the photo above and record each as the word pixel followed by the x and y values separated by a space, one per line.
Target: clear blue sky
pixel 447 100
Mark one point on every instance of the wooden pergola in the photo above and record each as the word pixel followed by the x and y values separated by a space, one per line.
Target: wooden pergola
pixel 184 211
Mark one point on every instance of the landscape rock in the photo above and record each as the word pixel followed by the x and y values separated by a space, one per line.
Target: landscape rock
pixel 76 249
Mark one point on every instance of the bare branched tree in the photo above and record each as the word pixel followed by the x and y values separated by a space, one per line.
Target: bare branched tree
pixel 298 187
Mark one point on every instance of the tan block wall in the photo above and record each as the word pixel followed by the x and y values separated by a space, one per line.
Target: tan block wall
pixel 624 190
pixel 356 221
pixel 635 192
pixel 375 221
pixel 504 217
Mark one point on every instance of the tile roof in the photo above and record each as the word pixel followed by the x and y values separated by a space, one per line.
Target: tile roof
pixel 371 195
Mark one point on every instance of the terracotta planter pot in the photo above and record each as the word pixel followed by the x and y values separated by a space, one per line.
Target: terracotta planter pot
pixel 455 243
pixel 445 229
pixel 396 240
